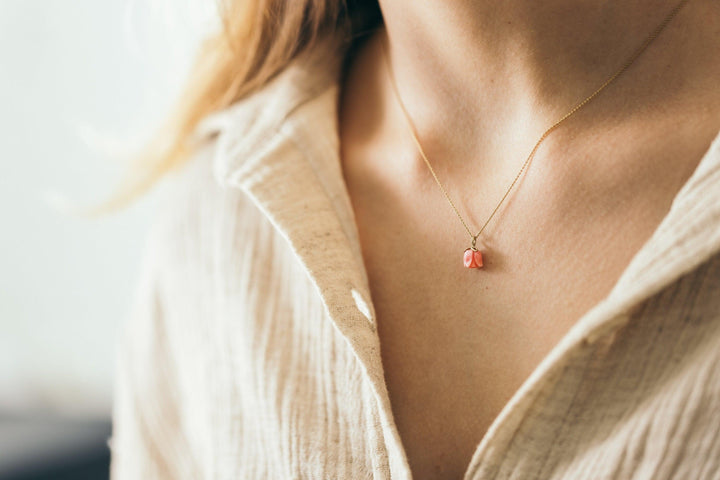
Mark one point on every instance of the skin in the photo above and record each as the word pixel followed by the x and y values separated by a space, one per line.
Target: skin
pixel 482 80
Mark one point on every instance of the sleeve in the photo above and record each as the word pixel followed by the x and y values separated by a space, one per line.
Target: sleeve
pixel 147 440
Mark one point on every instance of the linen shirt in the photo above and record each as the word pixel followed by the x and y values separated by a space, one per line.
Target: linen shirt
pixel 251 349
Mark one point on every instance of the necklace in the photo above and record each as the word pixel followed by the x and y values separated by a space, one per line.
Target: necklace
pixel 472 257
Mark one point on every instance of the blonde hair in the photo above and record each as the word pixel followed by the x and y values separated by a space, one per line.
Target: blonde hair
pixel 258 39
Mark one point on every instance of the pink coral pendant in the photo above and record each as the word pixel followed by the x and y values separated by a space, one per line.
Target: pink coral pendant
pixel 472 258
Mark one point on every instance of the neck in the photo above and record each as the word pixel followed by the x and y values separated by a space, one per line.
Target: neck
pixel 468 70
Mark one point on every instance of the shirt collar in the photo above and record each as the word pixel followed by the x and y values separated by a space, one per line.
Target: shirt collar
pixel 281 146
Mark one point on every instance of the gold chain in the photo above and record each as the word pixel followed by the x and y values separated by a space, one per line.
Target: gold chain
pixel 624 67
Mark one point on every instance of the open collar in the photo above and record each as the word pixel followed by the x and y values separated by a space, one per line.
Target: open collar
pixel 281 146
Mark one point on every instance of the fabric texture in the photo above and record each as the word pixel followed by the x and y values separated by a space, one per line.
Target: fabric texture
pixel 251 350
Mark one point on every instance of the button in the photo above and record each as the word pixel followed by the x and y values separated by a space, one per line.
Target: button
pixel 361 304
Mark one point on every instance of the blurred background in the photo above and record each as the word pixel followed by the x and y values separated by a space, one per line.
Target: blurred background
pixel 83 84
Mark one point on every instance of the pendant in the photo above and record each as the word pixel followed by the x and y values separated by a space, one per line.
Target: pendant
pixel 473 257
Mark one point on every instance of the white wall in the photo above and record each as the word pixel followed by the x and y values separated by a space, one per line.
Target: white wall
pixel 78 78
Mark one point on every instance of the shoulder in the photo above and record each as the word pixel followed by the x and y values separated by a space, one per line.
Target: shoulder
pixel 206 217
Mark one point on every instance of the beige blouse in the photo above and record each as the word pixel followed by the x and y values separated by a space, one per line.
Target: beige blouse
pixel 251 351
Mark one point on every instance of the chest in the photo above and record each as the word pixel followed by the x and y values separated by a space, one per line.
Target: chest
pixel 457 343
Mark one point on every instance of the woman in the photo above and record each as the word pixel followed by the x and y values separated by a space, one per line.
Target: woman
pixel 305 310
